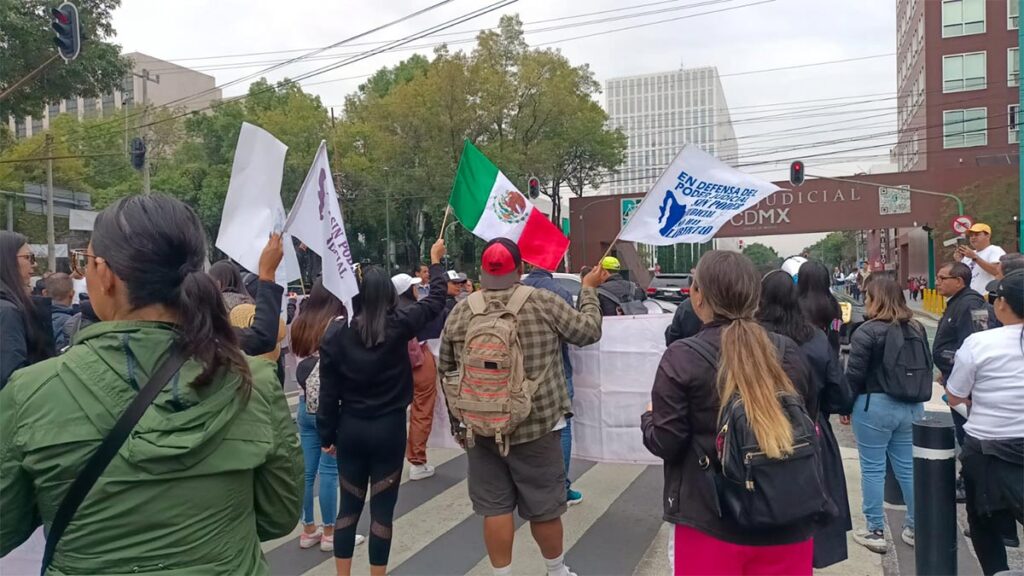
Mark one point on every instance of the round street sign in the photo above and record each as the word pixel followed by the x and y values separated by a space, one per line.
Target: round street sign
pixel 961 224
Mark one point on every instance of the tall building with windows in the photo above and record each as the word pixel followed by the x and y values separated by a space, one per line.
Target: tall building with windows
pixel 171 84
pixel 659 113
pixel 958 71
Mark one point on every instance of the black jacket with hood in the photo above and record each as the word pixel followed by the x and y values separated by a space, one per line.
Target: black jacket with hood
pixel 956 325
pixel 17 349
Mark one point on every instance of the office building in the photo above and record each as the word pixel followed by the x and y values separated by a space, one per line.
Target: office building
pixel 169 85
pixel 958 71
pixel 660 113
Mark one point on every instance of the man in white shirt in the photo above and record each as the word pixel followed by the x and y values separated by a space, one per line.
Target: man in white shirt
pixel 982 257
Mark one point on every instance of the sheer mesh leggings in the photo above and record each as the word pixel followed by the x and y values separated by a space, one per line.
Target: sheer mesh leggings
pixel 370 456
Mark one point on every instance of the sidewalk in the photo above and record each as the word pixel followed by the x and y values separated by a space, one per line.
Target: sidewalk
pixel 918 307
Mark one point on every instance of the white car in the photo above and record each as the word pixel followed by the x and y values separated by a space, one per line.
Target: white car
pixel 572 283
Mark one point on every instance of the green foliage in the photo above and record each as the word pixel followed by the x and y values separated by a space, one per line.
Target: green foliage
pixel 762 256
pixel 836 249
pixel 993 202
pixel 27 41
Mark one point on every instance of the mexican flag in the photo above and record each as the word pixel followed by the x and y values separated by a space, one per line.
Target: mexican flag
pixel 489 205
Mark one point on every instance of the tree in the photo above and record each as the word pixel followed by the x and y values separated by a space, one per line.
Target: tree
pixel 836 249
pixel 994 202
pixel 762 256
pixel 27 41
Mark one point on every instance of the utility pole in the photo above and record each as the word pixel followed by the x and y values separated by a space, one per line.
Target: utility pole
pixel 146 79
pixel 51 257
pixel 387 219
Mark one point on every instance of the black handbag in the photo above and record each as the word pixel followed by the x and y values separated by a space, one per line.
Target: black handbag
pixel 100 459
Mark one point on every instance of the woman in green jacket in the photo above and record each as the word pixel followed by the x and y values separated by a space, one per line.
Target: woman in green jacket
pixel 214 465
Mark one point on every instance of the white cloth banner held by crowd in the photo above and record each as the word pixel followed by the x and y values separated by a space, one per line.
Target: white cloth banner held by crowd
pixel 692 199
pixel 253 209
pixel 316 220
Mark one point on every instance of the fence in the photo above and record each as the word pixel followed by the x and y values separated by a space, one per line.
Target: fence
pixel 933 302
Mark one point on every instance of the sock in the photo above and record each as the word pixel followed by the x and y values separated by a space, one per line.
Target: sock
pixel 556 566
pixel 506 571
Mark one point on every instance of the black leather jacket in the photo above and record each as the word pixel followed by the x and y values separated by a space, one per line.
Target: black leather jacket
pixel 867 350
pixel 956 325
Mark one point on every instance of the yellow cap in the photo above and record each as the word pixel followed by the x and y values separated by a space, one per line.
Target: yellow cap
pixel 611 263
pixel 979 228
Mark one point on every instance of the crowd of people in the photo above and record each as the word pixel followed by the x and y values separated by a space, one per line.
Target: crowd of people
pixel 161 412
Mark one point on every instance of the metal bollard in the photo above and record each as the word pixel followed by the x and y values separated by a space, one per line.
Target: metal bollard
pixel 935 495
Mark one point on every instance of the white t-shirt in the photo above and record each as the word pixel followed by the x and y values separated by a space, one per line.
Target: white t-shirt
pixel 979 277
pixel 989 368
pixel 79 286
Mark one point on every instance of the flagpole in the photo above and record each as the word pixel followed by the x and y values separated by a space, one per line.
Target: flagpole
pixel 444 222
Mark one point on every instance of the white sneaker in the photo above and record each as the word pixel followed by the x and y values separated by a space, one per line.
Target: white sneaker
pixel 360 539
pixel 420 471
pixel 310 540
pixel 327 544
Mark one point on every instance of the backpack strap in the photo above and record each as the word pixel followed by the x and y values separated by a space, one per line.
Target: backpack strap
pixel 607 294
pixel 519 297
pixel 703 349
pixel 477 304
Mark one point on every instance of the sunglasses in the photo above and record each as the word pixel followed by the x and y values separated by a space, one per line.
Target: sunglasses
pixel 30 257
pixel 80 261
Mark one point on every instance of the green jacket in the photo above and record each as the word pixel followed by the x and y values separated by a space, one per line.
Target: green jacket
pixel 204 477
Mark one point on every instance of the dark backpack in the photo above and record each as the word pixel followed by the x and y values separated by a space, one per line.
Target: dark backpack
pixel 906 370
pixel 756 491
pixel 631 306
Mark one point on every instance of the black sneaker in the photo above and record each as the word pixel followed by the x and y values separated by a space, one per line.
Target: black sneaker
pixel 873 540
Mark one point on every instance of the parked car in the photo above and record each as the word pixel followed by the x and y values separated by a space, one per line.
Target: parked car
pixel 570 282
pixel 671 287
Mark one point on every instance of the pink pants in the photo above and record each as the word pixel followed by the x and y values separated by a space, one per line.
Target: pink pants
pixel 697 554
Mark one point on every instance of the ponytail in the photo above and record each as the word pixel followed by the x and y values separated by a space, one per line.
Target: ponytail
pixel 750 367
pixel 206 332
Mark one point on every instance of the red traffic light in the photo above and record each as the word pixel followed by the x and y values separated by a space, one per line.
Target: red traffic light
pixel 796 173
pixel 60 16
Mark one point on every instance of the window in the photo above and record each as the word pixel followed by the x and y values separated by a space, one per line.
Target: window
pixel 19 128
pixel 1013 111
pixel 963 128
pixel 963 72
pixel 962 17
pixel 37 125
pixel 71 106
pixel 1013 66
pixel 1012 15
pixel 54 111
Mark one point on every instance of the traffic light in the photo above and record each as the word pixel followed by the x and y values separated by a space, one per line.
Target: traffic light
pixel 66 26
pixel 138 153
pixel 534 186
pixel 796 173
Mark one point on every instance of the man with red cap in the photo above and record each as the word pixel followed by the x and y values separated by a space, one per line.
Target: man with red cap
pixel 530 477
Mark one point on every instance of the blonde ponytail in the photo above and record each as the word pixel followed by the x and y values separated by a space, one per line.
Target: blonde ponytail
pixel 750 367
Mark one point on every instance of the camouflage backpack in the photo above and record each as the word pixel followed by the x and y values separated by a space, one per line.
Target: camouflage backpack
pixel 490 394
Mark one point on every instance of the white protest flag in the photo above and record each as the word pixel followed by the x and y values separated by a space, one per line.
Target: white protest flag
pixel 253 208
pixel 316 220
pixel 694 197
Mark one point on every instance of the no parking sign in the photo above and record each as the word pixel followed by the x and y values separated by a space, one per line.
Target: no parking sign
pixel 961 224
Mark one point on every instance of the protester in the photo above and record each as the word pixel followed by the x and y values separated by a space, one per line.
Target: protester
pixel 887 403
pixel 682 424
pixel 318 311
pixel 819 305
pixel 26 326
pixel 365 366
pixel 257 321
pixel 779 311
pixel 545 280
pixel 212 468
pixel 863 273
pixel 957 323
pixel 837 277
pixel 84 318
pixel 60 291
pixel 988 375
pixel 912 287
pixel 617 295
pixel 1010 262
pixel 521 468
pixel 982 257
pixel 421 271
pixel 81 288
pixel 424 386
pixel 685 323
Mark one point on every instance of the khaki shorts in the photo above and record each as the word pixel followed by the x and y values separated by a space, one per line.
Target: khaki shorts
pixel 531 478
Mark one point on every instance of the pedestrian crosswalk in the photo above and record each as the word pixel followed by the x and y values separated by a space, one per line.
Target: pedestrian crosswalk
pixel 616 530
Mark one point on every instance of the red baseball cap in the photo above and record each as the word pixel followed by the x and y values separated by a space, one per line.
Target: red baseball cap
pixel 500 264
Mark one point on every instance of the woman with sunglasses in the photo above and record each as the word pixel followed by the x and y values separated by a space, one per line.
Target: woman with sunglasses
pixel 212 468
pixel 26 334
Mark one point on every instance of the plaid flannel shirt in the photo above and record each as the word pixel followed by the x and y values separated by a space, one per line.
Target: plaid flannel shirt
pixel 544 322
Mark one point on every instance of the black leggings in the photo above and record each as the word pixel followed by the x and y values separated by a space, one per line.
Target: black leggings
pixel 370 452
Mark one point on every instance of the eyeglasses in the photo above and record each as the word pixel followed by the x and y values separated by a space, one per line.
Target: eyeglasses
pixel 30 257
pixel 80 261
pixel 940 278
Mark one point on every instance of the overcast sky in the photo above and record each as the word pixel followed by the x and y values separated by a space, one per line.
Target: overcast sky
pixel 848 100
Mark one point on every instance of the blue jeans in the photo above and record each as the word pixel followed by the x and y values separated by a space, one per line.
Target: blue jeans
pixel 885 429
pixel 567 439
pixel 317 462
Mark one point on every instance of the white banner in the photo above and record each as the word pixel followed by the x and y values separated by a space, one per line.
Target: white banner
pixel 316 220
pixel 612 381
pixel 81 219
pixel 695 196
pixel 253 208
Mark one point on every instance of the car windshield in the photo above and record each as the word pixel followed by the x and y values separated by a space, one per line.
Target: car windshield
pixel 679 281
pixel 573 286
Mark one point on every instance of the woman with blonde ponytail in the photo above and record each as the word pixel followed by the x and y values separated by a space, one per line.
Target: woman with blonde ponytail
pixel 682 423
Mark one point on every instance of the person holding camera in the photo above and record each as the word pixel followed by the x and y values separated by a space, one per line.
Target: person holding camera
pixel 982 257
